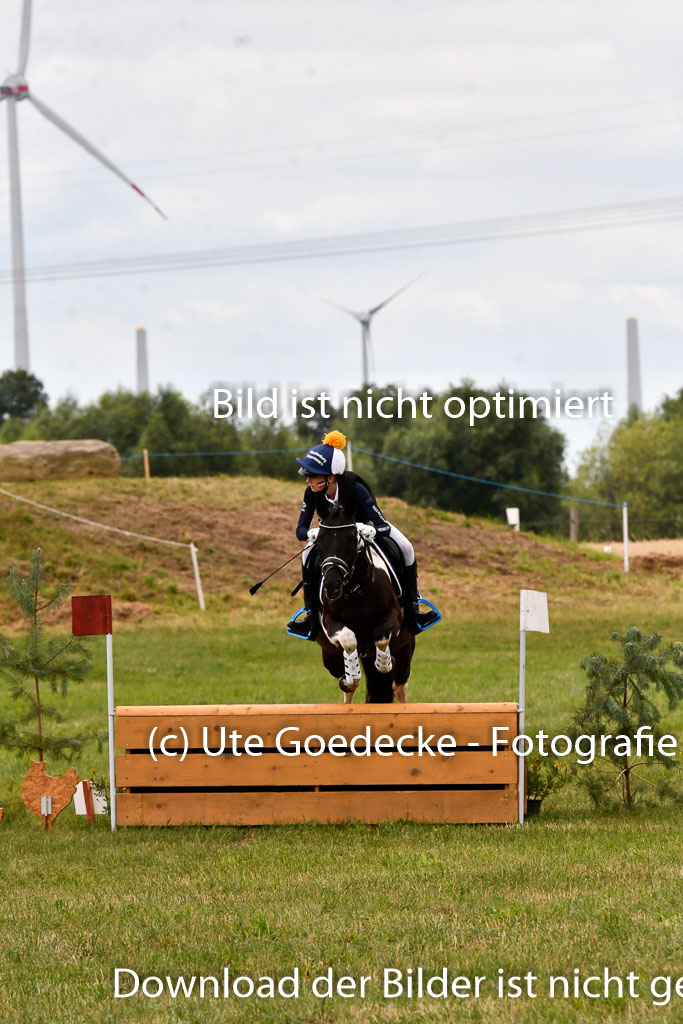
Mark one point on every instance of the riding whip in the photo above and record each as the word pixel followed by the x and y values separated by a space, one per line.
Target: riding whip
pixel 257 586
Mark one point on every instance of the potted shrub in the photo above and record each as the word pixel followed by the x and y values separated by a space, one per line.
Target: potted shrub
pixel 543 777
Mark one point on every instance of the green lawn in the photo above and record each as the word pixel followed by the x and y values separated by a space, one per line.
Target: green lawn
pixel 573 889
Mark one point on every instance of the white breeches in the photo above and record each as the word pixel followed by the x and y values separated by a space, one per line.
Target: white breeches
pixel 407 549
pixel 306 552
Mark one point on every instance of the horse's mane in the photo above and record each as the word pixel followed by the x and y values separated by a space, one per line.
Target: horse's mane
pixel 337 516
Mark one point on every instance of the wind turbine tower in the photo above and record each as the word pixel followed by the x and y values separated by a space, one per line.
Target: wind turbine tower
pixel 365 319
pixel 635 394
pixel 142 363
pixel 15 89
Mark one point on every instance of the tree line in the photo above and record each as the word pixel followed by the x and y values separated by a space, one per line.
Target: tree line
pixel 640 460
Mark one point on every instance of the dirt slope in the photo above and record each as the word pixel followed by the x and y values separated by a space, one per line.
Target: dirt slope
pixel 244 528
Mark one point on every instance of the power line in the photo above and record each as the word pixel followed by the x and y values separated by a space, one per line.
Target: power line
pixel 593 218
pixel 406 133
pixel 294 164
pixel 482 480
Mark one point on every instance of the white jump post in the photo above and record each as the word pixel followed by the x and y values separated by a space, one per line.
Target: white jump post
pixel 533 617
pixel 110 720
pixel 624 510
pixel 91 616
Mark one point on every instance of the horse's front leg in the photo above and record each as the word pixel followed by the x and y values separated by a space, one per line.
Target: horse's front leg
pixel 383 633
pixel 383 660
pixel 342 636
pixel 402 670
pixel 401 692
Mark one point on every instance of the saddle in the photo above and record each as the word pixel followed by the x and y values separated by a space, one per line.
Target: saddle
pixel 391 556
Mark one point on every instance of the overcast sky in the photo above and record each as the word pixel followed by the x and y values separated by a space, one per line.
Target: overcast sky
pixel 257 122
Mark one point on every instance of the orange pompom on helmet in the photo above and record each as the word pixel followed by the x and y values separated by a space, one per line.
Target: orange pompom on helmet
pixel 326 459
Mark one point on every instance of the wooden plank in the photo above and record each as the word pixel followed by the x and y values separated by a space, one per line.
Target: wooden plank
pixel 439 806
pixel 463 768
pixel 458 720
pixel 202 710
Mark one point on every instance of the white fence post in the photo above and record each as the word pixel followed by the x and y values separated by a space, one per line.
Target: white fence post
pixel 625 522
pixel 110 716
pixel 533 616
pixel 197 578
pixel 520 720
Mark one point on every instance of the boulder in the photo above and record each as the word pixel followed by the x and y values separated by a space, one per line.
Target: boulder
pixel 42 460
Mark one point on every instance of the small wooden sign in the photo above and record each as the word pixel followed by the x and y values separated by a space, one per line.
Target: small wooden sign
pixel 91 616
pixel 47 795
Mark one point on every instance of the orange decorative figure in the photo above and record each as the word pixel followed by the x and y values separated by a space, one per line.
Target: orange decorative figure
pixel 59 789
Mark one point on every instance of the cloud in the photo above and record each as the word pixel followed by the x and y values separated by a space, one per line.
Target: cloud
pixel 254 122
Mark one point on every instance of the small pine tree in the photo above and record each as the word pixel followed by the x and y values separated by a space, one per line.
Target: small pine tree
pixel 620 698
pixel 36 661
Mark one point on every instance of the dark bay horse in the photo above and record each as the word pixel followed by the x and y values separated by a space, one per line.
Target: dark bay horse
pixel 362 621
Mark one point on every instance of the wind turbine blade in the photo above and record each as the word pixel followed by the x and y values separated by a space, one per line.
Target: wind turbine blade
pixel 376 309
pixel 77 137
pixel 25 36
pixel 343 309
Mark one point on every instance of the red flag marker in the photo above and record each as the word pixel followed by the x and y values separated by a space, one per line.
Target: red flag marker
pixel 91 616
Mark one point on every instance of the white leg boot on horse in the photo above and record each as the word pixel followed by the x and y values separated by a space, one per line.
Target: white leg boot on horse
pixel 383 659
pixel 352 675
pixel 346 639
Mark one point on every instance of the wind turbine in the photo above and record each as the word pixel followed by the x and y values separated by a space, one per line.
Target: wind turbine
pixel 15 89
pixel 365 319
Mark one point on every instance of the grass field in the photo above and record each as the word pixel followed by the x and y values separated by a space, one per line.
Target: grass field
pixel 573 889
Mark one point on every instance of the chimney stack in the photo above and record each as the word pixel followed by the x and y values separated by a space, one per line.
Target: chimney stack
pixel 142 365
pixel 635 394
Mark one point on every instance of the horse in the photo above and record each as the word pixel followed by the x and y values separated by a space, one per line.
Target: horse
pixel 361 618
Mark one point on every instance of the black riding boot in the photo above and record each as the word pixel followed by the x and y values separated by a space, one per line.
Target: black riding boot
pixel 309 626
pixel 413 619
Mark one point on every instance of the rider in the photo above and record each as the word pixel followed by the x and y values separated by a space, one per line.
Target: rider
pixel 330 484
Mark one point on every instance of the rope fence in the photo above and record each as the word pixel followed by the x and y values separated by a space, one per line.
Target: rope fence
pixel 488 483
pixel 118 529
pixel 189 455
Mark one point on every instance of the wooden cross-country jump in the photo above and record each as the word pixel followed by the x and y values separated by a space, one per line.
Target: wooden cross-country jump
pixel 181 767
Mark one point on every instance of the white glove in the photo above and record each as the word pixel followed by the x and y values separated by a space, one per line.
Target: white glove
pixel 366 530
pixel 313 533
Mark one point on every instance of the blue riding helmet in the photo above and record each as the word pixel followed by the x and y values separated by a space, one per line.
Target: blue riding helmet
pixel 325 459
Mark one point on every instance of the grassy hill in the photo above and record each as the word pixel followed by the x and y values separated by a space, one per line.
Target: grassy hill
pixel 244 528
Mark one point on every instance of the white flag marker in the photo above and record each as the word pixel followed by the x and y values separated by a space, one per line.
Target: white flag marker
pixel 533 611
pixel 512 515
pixel 533 617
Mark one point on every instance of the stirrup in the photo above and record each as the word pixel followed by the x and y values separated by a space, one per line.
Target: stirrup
pixel 302 629
pixel 424 620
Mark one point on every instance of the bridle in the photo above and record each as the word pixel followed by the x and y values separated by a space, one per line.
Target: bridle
pixel 335 562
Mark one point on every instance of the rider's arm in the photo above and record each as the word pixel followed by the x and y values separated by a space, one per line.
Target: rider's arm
pixel 306 515
pixel 369 512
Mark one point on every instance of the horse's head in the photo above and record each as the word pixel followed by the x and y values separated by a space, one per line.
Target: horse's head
pixel 338 545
